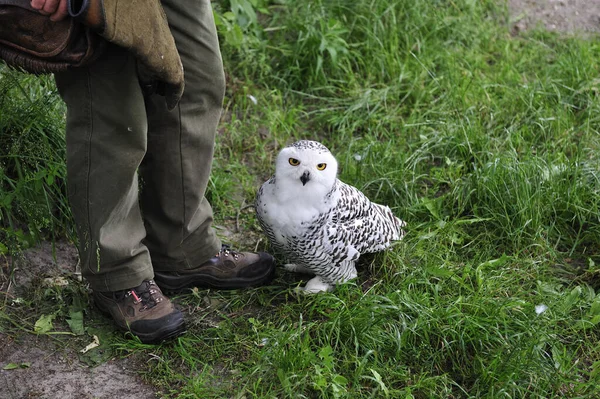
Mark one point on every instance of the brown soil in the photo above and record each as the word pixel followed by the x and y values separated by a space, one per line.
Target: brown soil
pixel 50 369
pixel 57 373
pixel 580 17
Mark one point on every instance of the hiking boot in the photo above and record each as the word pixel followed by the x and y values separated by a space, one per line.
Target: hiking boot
pixel 228 269
pixel 144 311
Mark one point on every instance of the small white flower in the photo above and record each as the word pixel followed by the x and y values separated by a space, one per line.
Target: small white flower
pixel 539 309
pixel 252 98
pixel 358 157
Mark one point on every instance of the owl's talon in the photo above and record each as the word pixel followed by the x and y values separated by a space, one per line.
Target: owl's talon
pixel 316 285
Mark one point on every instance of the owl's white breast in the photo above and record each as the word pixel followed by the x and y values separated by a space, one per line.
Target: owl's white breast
pixel 289 211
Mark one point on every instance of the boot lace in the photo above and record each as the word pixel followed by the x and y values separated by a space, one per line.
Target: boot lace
pixel 147 294
pixel 226 251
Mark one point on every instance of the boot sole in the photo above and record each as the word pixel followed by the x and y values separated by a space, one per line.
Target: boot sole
pixel 164 334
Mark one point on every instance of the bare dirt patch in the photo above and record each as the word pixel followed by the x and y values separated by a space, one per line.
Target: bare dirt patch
pixel 57 373
pixel 50 367
pixel 568 16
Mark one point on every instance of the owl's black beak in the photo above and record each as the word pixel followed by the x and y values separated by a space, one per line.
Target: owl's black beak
pixel 305 177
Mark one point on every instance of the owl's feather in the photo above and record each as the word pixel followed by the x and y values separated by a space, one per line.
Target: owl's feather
pixel 318 222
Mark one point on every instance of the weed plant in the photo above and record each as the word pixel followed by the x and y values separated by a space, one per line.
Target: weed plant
pixel 33 202
pixel 484 141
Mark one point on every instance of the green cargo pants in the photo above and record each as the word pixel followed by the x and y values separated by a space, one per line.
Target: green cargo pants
pixel 113 131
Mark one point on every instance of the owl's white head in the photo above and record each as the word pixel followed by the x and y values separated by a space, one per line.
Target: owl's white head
pixel 306 168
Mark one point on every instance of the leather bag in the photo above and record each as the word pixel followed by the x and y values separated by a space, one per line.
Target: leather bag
pixel 31 42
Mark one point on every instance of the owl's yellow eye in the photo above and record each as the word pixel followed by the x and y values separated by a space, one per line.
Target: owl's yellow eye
pixel 321 166
pixel 294 162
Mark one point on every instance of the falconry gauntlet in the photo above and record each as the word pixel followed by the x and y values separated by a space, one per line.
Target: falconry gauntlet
pixel 140 26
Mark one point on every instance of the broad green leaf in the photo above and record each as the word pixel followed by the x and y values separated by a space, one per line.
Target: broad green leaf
pixel 44 324
pixel 438 271
pixel 13 366
pixel 325 355
pixel 75 322
pixel 340 380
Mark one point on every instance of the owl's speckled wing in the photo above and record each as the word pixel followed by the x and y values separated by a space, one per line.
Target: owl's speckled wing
pixel 367 226
pixel 334 239
pixel 263 199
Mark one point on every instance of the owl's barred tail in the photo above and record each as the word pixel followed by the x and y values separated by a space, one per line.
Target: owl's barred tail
pixel 397 223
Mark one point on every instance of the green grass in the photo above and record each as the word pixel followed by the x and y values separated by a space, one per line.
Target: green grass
pixel 33 200
pixel 485 143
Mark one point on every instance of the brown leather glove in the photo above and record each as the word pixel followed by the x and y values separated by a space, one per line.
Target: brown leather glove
pixel 140 26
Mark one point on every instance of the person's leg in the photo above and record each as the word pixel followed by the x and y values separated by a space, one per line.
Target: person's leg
pixel 106 141
pixel 177 166
pixel 184 247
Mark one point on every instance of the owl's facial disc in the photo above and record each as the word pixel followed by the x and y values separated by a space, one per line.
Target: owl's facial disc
pixel 305 177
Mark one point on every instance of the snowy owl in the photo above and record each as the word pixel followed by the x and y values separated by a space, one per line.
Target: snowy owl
pixel 319 223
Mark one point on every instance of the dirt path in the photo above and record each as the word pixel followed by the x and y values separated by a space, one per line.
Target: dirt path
pixel 52 367
pixel 46 369
pixel 568 16
pixel 59 374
